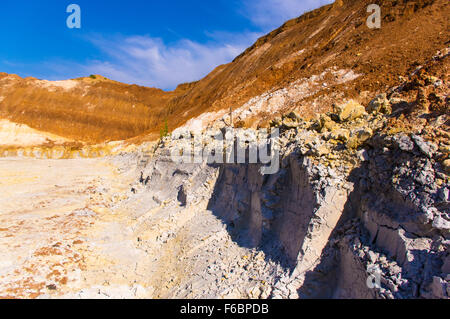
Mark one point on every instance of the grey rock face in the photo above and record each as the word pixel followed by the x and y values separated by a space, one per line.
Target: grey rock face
pixel 380 104
pixel 426 148
pixel 373 226
pixel 404 142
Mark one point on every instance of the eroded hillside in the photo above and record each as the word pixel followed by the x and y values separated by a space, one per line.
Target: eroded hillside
pixel 332 43
pixel 87 109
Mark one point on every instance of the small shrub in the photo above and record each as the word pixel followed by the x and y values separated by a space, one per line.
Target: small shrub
pixel 164 131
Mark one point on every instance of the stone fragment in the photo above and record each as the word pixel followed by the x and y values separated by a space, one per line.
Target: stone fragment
pixel 440 223
pixel 350 111
pixel 380 104
pixel 426 148
pixel 446 165
pixel 342 135
pixel 359 137
pixel 444 194
pixel 325 123
pixel 363 155
pixel 254 292
pixel 320 150
pixel 364 134
pixel 404 142
pixel 373 257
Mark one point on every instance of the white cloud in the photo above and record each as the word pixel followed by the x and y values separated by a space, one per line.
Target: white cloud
pixel 269 14
pixel 151 62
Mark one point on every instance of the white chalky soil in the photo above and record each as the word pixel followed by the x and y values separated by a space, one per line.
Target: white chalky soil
pixel 68 229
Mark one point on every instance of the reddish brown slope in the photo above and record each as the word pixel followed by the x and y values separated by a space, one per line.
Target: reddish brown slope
pixel 332 36
pixel 86 110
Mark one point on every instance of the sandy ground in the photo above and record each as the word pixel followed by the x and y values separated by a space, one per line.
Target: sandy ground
pixel 73 229
pixel 12 134
pixel 48 209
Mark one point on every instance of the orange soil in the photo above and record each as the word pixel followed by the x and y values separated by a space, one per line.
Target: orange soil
pixel 332 36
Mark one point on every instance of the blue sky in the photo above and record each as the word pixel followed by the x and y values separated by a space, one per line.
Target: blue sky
pixel 146 42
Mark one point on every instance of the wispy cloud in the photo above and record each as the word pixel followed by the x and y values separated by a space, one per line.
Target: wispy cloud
pixel 152 62
pixel 269 14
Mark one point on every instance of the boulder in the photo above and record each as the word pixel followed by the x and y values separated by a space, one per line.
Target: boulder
pixel 426 148
pixel 404 142
pixel 446 166
pixel 350 111
pixel 358 137
pixel 380 104
pixel 325 123
pixel 440 223
pixel 342 135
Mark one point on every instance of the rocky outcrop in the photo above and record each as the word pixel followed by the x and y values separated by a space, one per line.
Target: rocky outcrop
pixel 358 209
pixel 333 216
